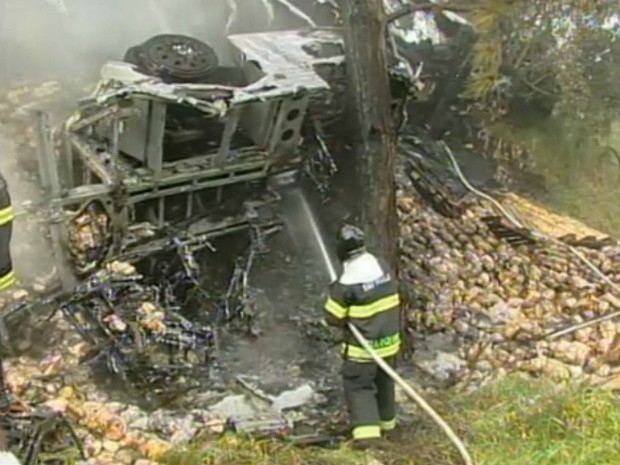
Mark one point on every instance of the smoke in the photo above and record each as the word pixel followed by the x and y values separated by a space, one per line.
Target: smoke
pixel 67 38
pixel 69 41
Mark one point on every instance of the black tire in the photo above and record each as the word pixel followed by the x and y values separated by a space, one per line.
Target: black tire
pixel 174 58
pixel 133 56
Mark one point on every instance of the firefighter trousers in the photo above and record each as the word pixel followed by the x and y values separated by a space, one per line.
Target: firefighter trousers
pixel 7 276
pixel 370 397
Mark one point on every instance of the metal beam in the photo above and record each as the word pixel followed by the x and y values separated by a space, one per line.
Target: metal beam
pixel 48 170
pixel 92 161
pixel 84 194
pixel 229 131
pixel 46 158
pixel 155 138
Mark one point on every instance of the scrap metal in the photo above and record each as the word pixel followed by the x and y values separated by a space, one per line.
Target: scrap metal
pixel 139 325
pixel 109 165
pixel 320 166
pixel 39 436
pixel 158 332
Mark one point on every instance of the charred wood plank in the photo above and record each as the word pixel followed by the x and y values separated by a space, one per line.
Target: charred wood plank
pixel 514 236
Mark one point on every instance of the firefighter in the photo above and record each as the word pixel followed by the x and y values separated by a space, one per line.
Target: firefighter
pixel 365 295
pixel 7 276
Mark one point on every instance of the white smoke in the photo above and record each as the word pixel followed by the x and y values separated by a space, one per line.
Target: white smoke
pixel 59 5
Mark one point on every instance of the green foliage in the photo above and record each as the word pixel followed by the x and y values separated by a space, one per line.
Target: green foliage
pixel 487 58
pixel 582 175
pixel 522 37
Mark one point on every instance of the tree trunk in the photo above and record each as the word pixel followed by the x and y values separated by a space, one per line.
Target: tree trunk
pixel 374 138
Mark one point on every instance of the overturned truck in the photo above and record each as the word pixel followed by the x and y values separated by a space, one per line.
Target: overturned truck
pixel 175 139
pixel 169 152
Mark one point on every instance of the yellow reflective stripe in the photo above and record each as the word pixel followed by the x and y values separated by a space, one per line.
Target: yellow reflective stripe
pixel 379 306
pixel 359 353
pixel 7 280
pixel 333 307
pixel 6 215
pixel 388 425
pixel 366 432
pixel 386 341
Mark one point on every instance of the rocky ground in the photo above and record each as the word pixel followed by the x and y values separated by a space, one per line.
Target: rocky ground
pixel 496 302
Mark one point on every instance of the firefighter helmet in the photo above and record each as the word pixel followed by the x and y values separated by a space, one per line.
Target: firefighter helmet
pixel 350 241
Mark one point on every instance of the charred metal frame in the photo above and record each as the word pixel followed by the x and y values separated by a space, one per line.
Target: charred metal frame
pixel 110 152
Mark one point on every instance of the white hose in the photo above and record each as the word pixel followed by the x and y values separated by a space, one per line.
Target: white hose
pixel 539 235
pixel 333 276
pixel 297 12
pixel 417 398
pixel 413 395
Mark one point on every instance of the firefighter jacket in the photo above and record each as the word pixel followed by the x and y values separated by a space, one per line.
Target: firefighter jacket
pixel 7 276
pixel 366 295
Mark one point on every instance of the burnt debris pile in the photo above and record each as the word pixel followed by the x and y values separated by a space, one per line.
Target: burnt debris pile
pixel 151 317
pixel 428 167
pixel 40 436
pixel 136 327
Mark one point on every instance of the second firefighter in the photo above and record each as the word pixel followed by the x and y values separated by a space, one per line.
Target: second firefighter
pixel 7 275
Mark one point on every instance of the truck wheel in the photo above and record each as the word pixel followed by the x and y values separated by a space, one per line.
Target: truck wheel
pixel 174 58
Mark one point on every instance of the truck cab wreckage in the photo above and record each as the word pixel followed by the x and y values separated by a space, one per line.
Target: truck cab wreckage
pixel 170 151
pixel 146 152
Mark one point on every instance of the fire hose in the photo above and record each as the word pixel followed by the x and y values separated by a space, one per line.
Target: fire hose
pixel 411 393
pixel 417 398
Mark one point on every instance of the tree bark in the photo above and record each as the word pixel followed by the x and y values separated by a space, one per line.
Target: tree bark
pixel 375 136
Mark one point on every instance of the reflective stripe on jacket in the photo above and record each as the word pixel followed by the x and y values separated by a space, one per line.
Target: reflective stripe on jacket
pixel 7 276
pixel 366 295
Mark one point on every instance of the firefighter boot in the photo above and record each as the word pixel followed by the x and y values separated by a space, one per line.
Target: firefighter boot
pixel 388 429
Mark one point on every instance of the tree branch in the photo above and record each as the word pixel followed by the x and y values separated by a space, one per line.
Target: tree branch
pixel 407 10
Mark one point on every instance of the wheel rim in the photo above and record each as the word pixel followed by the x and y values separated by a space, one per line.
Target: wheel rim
pixel 180 56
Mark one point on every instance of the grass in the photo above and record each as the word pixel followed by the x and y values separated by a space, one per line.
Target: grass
pixel 535 422
pixel 515 422
pixel 239 450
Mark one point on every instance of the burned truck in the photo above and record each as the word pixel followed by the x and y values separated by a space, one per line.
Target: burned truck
pixel 169 152
pixel 169 138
